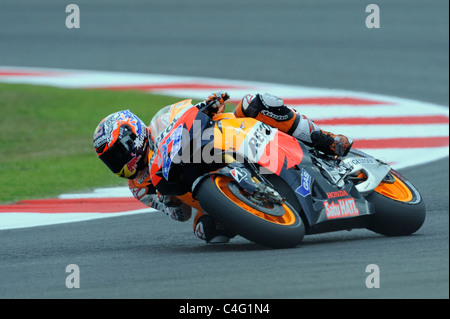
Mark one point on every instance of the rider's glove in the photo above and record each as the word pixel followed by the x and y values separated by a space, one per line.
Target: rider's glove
pixel 215 103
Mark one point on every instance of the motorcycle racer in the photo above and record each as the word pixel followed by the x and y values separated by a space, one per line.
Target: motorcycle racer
pixel 126 145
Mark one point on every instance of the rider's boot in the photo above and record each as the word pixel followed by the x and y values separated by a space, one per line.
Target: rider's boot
pixel 211 231
pixel 271 110
pixel 330 143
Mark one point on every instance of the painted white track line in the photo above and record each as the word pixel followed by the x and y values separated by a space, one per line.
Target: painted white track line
pixel 400 131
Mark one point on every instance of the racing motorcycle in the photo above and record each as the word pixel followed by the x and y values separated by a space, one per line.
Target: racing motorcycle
pixel 271 188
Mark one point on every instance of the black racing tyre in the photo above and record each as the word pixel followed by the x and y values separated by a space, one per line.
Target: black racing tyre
pixel 399 208
pixel 279 226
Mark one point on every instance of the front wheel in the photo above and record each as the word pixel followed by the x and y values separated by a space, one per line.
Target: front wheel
pixel 268 224
pixel 399 208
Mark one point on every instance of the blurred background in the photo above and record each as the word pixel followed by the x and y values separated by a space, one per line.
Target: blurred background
pixel 312 43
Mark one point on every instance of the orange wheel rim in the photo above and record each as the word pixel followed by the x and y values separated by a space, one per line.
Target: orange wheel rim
pixel 397 190
pixel 288 217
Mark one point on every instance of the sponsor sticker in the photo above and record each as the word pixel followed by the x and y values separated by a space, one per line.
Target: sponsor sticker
pixel 240 128
pixel 305 188
pixel 238 174
pixel 335 194
pixel 167 151
pixel 364 160
pixel 256 141
pixel 343 208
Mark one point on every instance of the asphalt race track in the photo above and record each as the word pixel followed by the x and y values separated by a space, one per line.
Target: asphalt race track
pixel 311 43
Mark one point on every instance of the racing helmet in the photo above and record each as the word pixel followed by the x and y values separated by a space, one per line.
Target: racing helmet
pixel 121 142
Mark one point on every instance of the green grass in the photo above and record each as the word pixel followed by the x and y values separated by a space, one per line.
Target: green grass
pixel 46 138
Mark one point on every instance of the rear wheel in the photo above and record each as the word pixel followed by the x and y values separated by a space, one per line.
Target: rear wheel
pixel 399 208
pixel 265 223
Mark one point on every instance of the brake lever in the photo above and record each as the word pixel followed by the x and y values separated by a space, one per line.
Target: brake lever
pixel 337 160
pixel 206 106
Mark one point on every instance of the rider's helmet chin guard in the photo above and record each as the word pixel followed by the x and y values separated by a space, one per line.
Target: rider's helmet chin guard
pixel 121 142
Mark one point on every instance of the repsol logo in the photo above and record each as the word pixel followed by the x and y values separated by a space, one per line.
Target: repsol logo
pixel 164 133
pixel 259 138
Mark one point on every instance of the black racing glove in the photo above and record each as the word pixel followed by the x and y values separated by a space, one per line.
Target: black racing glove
pixel 214 104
